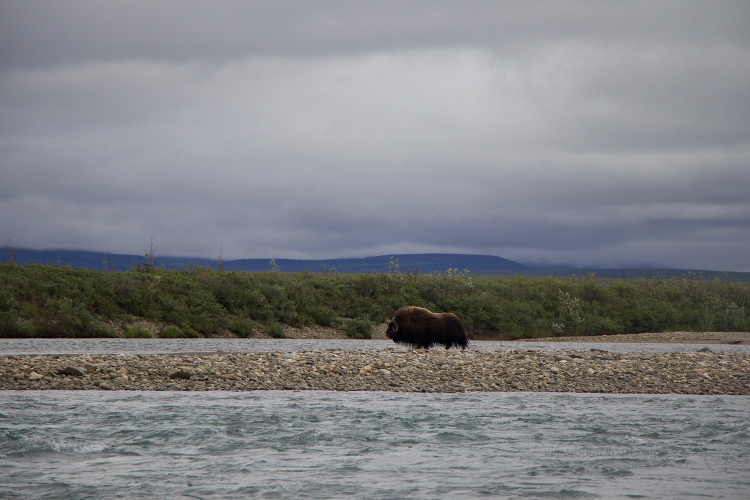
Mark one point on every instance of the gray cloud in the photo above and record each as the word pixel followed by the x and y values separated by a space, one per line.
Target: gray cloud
pixel 585 133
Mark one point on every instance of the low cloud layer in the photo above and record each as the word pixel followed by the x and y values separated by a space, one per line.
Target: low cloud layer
pixel 599 135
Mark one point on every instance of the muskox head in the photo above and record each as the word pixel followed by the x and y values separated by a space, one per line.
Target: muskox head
pixel 421 328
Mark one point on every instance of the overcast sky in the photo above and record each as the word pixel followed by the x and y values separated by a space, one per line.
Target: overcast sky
pixel 589 133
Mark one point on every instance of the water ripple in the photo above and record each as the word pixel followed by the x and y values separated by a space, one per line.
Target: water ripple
pixel 60 444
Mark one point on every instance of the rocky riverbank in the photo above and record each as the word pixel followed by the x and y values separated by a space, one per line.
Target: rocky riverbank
pixel 391 369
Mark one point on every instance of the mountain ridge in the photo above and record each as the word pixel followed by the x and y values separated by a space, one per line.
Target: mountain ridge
pixel 422 263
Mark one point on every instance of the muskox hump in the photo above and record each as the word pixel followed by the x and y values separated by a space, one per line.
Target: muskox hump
pixel 420 328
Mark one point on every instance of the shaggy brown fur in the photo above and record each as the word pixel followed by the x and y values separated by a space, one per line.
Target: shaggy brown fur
pixel 421 328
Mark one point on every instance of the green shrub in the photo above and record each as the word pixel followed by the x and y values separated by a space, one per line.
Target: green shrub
pixel 275 330
pixel 243 327
pixel 53 301
pixel 171 332
pixel 137 332
pixel 359 328
pixel 11 327
pixel 322 315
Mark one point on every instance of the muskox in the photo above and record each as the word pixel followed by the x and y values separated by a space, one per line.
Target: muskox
pixel 419 328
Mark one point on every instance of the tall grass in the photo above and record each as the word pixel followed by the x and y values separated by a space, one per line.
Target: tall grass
pixel 49 301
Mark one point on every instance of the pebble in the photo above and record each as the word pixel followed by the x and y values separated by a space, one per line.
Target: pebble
pixel 388 370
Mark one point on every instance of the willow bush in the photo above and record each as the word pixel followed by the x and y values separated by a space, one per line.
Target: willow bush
pixel 50 301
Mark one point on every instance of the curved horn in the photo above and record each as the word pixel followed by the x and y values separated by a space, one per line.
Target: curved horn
pixel 393 325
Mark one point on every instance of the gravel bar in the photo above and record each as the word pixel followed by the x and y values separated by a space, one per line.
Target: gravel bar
pixel 391 369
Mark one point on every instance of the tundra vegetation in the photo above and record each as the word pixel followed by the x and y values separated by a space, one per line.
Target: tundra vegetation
pixel 195 301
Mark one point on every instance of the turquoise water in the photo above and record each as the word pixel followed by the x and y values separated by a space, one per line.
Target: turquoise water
pixel 67 444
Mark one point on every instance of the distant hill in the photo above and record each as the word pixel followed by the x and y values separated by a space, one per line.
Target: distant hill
pixel 97 260
pixel 423 263
pixel 636 273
